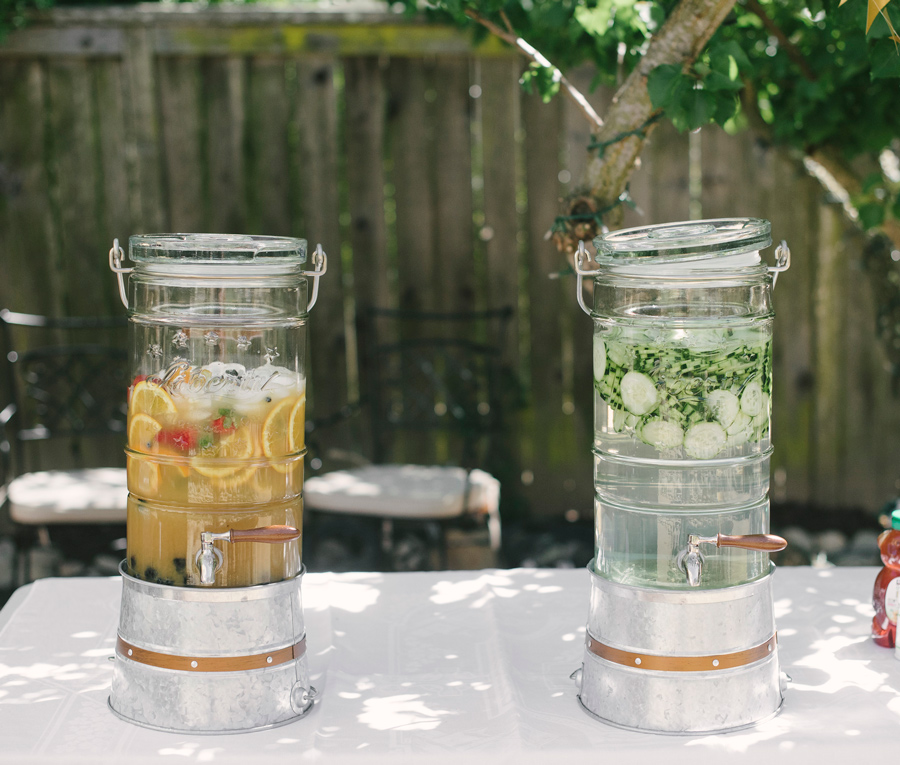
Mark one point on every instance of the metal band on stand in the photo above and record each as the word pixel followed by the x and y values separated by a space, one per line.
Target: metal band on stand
pixel 126 650
pixel 681 663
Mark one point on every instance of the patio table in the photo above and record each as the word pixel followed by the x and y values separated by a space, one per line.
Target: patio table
pixel 435 667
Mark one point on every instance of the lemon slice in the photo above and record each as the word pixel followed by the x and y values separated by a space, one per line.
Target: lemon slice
pixel 275 429
pixel 143 478
pixel 237 446
pixel 238 479
pixel 150 398
pixel 297 425
pixel 142 432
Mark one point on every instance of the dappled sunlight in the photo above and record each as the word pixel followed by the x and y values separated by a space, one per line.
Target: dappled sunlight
pixel 348 592
pixel 405 712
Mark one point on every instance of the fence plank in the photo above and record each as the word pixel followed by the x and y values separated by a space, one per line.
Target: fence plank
pixel 453 239
pixel 554 449
pixel 28 232
pixel 364 91
pixel 830 318
pixel 790 202
pixel 316 176
pixel 225 88
pixel 268 187
pixel 75 174
pixel 117 222
pixel 410 141
pixel 500 121
pixel 181 122
pixel 142 128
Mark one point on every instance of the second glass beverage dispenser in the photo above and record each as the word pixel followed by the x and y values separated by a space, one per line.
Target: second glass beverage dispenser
pixel 681 633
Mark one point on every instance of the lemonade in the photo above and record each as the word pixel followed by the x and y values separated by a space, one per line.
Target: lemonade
pixel 210 448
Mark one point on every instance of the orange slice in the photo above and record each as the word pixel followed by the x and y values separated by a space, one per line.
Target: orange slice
pixel 237 446
pixel 150 398
pixel 297 425
pixel 142 432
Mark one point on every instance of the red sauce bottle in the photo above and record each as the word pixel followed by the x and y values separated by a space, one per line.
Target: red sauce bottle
pixel 886 595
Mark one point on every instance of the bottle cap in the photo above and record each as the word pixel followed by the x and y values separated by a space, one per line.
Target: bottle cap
pixel 895 519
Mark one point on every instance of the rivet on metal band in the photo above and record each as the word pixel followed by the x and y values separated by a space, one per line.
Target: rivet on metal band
pixel 681 663
pixel 211 663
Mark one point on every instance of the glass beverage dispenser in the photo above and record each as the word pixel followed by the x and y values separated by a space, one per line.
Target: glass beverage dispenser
pixel 216 421
pixel 681 631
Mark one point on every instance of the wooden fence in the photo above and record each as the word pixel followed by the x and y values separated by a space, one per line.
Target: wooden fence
pixel 431 179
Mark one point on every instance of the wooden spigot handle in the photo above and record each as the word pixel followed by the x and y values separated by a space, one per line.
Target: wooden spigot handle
pixel 271 534
pixel 765 542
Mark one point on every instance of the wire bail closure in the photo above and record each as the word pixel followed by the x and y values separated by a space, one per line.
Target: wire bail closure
pixel 116 258
pixel 580 257
pixel 782 261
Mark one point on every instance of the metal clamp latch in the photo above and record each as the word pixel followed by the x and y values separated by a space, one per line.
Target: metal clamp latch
pixel 320 261
pixel 581 256
pixel 690 560
pixel 209 558
pixel 116 258
pixel 782 261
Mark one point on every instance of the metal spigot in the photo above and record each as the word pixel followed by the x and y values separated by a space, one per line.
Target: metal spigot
pixel 209 558
pixel 690 560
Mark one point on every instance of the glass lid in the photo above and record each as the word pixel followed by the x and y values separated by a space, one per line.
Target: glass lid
pixel 216 249
pixel 721 243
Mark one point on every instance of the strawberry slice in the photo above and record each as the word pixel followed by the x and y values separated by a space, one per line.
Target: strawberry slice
pixel 181 439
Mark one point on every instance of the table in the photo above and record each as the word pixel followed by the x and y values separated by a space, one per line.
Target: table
pixel 436 667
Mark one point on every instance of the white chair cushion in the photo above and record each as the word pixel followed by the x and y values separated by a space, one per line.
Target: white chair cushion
pixel 402 491
pixel 99 495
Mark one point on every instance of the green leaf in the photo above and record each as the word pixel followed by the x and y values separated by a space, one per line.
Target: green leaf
pixel 664 84
pixel 726 108
pixel 699 107
pixel 885 59
pixel 871 215
pixel 718 81
pixel 722 55
pixel 594 21
pixel 871 182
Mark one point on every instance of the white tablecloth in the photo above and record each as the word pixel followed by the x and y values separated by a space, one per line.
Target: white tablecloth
pixel 437 667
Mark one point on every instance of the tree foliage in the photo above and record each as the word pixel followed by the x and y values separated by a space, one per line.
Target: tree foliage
pixel 804 71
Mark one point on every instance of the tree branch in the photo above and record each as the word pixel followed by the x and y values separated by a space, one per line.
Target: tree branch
pixel 537 57
pixel 793 52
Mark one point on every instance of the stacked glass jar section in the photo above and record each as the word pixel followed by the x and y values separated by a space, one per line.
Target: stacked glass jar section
pixel 683 400
pixel 216 407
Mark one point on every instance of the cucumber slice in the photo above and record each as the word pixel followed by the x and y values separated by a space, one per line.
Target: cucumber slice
pixel 752 399
pixel 618 420
pixel 743 422
pixel 724 406
pixel 617 353
pixel 662 434
pixel 639 393
pixel 759 420
pixel 704 440
pixel 599 358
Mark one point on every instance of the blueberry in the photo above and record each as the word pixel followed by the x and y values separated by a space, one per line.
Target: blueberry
pixel 268 399
pixel 180 564
pixel 132 562
pixel 150 574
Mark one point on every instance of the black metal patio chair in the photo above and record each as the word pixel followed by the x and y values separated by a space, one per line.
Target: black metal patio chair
pixel 434 391
pixel 63 429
